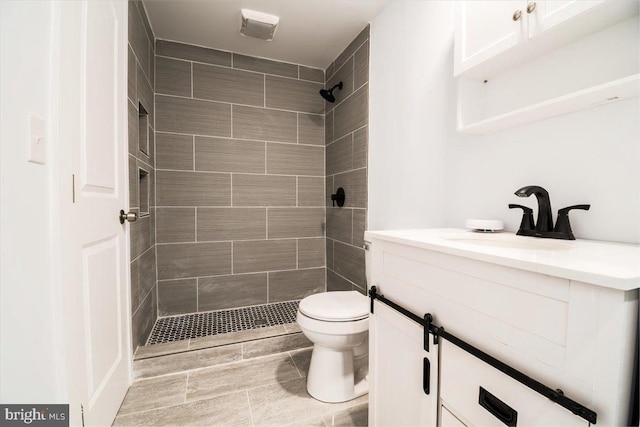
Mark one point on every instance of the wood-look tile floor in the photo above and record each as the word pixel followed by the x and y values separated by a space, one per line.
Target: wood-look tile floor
pixel 261 391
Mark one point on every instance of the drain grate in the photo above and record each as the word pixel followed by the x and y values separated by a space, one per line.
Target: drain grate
pixel 168 329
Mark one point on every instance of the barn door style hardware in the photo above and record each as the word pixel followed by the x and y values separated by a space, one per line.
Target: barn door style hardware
pixel 555 395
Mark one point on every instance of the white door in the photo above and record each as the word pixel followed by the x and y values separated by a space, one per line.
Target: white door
pixel 397 368
pixel 547 14
pixel 93 139
pixel 486 28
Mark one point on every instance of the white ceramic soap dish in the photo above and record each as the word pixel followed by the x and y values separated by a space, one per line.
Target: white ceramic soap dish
pixel 485 225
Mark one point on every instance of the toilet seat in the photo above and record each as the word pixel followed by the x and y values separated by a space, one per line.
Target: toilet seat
pixel 335 306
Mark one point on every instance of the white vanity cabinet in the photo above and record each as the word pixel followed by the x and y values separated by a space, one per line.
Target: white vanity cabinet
pixel 562 313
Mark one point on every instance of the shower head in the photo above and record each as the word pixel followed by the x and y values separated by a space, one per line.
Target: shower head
pixel 328 94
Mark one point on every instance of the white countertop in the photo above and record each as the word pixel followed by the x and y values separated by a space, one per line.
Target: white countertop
pixel 612 265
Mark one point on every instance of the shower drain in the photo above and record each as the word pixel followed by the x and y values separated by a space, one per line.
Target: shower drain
pixel 176 328
pixel 260 322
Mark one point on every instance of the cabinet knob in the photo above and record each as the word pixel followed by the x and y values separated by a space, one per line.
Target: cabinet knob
pixel 531 7
pixel 517 15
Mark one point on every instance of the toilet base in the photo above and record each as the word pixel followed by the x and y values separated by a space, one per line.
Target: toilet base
pixel 331 375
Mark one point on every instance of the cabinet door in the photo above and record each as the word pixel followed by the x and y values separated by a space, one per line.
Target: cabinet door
pixel 549 13
pixel 397 366
pixel 486 28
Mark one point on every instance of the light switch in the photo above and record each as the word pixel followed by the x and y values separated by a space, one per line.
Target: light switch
pixel 36 139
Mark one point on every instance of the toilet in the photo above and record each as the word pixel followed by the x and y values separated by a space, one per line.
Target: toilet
pixel 337 323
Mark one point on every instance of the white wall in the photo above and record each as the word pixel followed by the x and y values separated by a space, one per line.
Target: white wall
pixel 444 177
pixel 29 332
pixel 410 115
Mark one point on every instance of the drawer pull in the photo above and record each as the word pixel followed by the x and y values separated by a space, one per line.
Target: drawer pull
pixel 498 408
pixel 426 376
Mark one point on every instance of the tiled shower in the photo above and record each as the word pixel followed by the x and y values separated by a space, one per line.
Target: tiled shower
pixel 346 135
pixel 240 177
pixel 243 157
pixel 141 171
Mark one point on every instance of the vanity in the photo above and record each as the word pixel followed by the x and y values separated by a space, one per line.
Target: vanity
pixel 475 329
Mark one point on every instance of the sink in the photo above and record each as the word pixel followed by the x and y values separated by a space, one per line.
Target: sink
pixel 508 241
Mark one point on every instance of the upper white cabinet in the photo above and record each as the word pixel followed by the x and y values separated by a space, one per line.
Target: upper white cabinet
pixel 519 61
pixel 544 15
pixel 486 28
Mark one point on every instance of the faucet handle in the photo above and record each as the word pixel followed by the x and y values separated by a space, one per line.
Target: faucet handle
pixel 562 223
pixel 527 223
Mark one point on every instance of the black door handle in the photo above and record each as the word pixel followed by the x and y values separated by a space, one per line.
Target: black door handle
pixel 426 376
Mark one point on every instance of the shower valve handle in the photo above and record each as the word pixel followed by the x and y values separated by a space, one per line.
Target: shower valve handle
pixel 338 197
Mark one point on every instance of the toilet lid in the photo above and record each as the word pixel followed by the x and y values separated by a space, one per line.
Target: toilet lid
pixel 335 306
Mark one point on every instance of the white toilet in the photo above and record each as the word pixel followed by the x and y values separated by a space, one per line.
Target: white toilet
pixel 338 325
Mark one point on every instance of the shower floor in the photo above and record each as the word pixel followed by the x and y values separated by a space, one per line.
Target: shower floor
pixel 176 328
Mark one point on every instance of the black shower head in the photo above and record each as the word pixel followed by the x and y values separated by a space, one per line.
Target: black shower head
pixel 328 94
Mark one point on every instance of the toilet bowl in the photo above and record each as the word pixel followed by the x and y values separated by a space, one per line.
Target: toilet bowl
pixel 338 325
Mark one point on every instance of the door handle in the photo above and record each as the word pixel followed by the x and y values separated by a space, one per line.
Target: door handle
pixel 130 216
pixel 426 376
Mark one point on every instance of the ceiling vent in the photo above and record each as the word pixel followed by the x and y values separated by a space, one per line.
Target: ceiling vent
pixel 258 24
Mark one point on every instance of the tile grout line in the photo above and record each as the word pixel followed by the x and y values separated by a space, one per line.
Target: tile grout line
pixel 244 173
pixel 186 387
pixel 253 272
pixel 250 411
pixel 168 132
pixel 232 61
pixel 248 207
pixel 295 364
pixel 168 95
pixel 335 71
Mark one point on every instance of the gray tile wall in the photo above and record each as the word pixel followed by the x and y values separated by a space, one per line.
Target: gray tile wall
pixel 240 169
pixel 141 79
pixel 346 139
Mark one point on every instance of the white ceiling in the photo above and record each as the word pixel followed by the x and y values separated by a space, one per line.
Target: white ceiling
pixel 311 32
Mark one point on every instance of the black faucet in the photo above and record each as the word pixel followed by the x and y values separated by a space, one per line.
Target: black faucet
pixel 544 225
pixel 545 221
